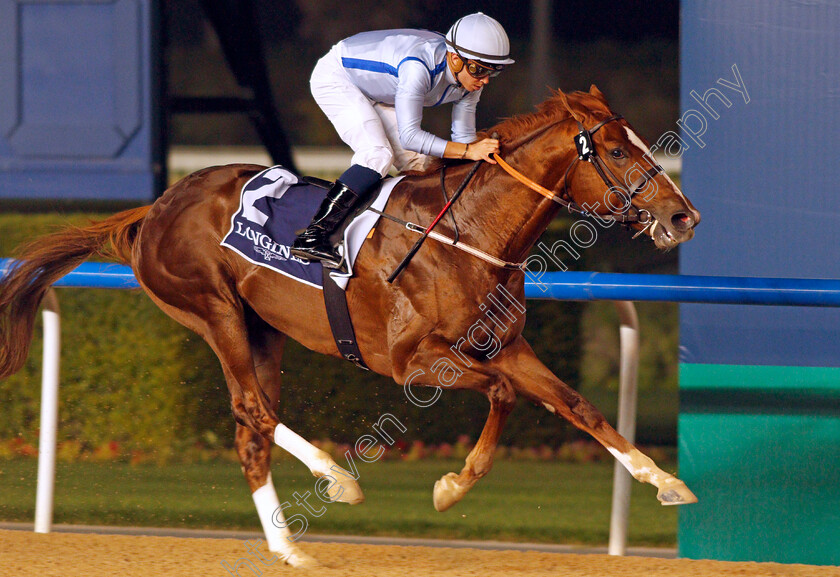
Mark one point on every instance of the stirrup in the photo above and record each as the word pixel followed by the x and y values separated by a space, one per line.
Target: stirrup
pixel 325 253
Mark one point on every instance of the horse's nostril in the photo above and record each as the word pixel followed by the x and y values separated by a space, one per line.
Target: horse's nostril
pixel 682 221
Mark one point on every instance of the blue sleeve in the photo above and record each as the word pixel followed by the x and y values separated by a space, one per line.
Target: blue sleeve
pixel 412 87
pixel 463 117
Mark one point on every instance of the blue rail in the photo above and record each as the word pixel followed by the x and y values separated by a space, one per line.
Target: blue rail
pixel 91 275
pixel 582 286
pixel 593 286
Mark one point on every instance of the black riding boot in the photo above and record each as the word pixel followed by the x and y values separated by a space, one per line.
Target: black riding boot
pixel 314 243
pixel 351 188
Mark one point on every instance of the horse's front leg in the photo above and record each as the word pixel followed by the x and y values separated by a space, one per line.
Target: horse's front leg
pixel 429 366
pixel 452 487
pixel 535 381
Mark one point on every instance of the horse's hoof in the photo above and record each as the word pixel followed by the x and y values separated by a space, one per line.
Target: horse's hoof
pixel 676 493
pixel 447 492
pixel 300 560
pixel 346 490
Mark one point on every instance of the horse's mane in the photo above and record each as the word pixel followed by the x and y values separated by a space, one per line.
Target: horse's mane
pixel 509 129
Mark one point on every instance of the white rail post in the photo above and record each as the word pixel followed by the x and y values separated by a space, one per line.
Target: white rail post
pixel 49 414
pixel 626 425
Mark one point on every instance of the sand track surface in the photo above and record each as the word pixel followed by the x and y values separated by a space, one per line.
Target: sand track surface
pixel 69 555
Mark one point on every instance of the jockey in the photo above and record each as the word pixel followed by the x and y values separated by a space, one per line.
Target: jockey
pixel 373 87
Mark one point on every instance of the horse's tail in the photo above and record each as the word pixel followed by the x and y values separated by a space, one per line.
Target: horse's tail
pixel 45 260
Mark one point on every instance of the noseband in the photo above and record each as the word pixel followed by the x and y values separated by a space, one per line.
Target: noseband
pixel 586 152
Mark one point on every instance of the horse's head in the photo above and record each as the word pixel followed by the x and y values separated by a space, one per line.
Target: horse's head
pixel 617 175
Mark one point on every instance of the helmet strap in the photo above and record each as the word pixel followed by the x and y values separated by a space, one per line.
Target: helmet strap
pixel 455 71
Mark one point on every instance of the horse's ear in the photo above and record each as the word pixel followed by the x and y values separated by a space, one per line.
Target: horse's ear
pixel 593 90
pixel 565 102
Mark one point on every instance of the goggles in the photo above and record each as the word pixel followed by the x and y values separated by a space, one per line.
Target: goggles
pixel 483 70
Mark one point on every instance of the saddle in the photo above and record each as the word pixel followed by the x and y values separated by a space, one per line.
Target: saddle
pixel 275 204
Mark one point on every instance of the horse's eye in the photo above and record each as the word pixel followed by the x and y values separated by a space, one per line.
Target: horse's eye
pixel 617 153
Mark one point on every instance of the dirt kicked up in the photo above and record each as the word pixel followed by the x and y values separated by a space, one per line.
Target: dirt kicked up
pixel 63 554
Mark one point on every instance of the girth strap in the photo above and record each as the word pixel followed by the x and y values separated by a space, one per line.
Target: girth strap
pixel 341 325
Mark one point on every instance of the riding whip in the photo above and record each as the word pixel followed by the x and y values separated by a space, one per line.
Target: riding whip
pixel 425 234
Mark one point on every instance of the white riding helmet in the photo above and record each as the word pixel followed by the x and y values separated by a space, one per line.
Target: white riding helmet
pixel 479 37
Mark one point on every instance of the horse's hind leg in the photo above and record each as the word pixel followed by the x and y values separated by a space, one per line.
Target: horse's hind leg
pixel 254 450
pixel 229 339
pixel 212 309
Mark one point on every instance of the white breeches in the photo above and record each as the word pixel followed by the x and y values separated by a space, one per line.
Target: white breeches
pixel 369 128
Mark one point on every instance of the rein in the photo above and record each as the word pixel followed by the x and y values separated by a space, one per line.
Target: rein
pixel 587 153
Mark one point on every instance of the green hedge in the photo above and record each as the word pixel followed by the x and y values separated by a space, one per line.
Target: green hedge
pixel 131 375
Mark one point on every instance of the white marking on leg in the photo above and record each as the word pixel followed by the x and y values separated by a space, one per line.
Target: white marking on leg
pixel 621 458
pixel 269 511
pixel 267 503
pixel 641 467
pixel 344 487
pixel 672 491
pixel 550 407
pixel 317 460
pixel 634 138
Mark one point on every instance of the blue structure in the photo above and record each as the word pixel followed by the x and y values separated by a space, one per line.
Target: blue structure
pixel 90 275
pixel 759 421
pixel 78 100
pixel 579 286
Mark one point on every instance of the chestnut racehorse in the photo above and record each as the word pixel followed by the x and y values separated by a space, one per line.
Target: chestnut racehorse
pixel 246 312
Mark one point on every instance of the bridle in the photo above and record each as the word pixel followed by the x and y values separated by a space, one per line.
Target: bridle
pixel 628 214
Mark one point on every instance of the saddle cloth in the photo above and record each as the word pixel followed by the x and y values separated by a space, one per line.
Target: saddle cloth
pixel 273 205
